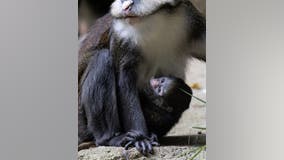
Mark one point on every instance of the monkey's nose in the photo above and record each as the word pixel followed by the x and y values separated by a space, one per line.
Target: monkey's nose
pixel 126 5
pixel 154 83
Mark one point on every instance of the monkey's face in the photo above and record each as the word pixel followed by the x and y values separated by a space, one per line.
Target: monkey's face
pixel 162 86
pixel 137 8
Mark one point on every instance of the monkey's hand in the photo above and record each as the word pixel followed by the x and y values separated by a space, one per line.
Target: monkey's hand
pixel 142 143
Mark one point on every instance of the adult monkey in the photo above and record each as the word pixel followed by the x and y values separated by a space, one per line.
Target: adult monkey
pixel 147 38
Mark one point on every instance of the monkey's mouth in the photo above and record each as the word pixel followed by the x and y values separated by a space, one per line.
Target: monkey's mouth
pixel 130 16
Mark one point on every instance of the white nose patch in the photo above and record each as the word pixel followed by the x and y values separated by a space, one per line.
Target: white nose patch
pixel 127 4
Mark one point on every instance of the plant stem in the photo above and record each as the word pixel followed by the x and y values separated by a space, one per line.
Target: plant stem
pixel 198 152
pixel 193 96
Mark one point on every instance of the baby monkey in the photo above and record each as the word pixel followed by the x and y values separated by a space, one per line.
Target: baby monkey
pixel 164 102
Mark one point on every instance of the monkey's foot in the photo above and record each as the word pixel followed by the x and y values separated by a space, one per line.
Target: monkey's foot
pixel 142 143
pixel 86 145
pixel 154 139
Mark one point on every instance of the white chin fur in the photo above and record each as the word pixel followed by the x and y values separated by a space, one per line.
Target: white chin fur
pixel 125 30
pixel 142 8
pixel 152 28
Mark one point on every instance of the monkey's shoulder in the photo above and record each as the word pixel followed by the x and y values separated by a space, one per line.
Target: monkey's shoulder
pixel 98 35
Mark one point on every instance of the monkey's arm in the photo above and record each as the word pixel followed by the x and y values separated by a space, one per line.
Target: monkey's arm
pixel 97 38
pixel 133 121
pixel 93 38
pixel 98 99
pixel 196 23
pixel 130 103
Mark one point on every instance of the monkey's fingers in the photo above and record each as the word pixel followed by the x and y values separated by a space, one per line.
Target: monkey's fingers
pixel 138 147
pixel 142 143
pixel 144 149
pixel 126 140
pixel 153 137
pixel 128 145
pixel 134 134
pixel 150 148
pixel 155 143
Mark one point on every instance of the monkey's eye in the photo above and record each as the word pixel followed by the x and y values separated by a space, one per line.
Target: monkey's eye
pixel 159 89
pixel 163 80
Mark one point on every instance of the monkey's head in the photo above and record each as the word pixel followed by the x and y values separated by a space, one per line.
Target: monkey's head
pixel 173 90
pixel 137 8
pixel 162 86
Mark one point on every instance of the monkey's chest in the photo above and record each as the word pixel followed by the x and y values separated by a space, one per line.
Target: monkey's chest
pixel 160 64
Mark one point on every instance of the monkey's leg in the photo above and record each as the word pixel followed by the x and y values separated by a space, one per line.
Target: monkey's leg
pixel 83 134
pixel 130 111
pixel 99 98
pixel 86 145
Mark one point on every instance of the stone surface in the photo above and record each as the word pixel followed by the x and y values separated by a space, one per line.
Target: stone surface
pixel 118 153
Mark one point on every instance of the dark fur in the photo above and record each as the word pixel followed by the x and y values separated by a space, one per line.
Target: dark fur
pixel 98 38
pixel 100 114
pixel 98 100
pixel 101 108
pixel 126 59
pixel 163 112
pixel 108 91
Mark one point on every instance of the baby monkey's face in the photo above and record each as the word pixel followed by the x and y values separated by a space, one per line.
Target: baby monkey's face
pixel 162 86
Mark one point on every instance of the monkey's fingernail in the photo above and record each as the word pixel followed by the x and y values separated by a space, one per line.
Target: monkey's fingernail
pixel 127 146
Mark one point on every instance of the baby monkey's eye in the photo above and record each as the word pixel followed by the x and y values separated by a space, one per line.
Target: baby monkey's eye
pixel 159 89
pixel 163 80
